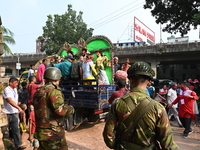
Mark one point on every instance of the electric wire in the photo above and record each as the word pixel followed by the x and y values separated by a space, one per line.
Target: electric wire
pixel 112 13
pixel 110 20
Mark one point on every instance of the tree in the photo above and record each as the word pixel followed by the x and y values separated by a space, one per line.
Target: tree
pixel 63 28
pixel 177 15
pixel 7 37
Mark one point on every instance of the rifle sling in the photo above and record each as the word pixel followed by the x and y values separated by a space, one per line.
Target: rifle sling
pixel 135 116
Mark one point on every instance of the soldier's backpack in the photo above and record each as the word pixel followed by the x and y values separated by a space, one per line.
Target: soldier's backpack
pixel 132 120
pixel 43 112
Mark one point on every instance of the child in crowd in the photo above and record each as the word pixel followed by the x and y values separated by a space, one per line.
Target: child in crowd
pixel 22 122
pixel 34 142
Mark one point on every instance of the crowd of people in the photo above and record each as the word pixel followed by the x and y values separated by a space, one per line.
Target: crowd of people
pixel 19 107
pixel 39 104
pixel 78 67
pixel 180 100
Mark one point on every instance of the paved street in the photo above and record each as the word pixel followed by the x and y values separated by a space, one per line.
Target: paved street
pixel 89 137
pixel 193 140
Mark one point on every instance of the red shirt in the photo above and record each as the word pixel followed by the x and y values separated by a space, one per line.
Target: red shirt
pixel 121 92
pixel 32 88
pixel 32 117
pixel 125 67
pixel 40 73
pixel 186 108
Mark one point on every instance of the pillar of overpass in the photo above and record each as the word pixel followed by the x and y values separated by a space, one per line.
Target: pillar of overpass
pixel 154 67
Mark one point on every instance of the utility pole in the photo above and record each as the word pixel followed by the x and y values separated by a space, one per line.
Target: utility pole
pixel 161 41
pixel 1 39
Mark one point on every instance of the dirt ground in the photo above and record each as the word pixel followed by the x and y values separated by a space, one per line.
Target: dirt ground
pixel 89 137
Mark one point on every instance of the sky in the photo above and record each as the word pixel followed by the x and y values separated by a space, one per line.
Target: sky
pixel 112 18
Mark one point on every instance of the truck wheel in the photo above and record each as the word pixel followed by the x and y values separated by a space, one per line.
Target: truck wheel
pixel 76 126
pixel 69 123
pixel 93 118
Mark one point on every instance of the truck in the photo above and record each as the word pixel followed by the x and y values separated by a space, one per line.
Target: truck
pixel 88 104
pixel 89 101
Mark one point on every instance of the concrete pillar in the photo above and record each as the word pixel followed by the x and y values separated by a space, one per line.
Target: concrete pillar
pixel 154 67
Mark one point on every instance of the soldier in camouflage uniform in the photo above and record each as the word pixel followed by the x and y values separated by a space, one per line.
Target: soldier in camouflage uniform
pixel 50 111
pixel 152 131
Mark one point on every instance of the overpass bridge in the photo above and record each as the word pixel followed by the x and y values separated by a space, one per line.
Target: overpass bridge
pixel 174 61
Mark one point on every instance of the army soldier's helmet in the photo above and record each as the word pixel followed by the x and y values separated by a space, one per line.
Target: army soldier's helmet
pixel 141 68
pixel 52 73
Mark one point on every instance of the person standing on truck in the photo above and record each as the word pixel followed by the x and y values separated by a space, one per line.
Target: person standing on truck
pixel 116 65
pixel 76 71
pixel 65 67
pixel 41 70
pixel 100 67
pixel 56 61
pixel 89 70
pixel 136 121
pixel 50 112
pixel 84 53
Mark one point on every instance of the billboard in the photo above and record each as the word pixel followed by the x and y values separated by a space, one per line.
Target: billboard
pixel 172 40
pixel 143 33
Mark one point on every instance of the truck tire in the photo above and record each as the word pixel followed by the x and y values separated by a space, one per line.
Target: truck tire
pixel 69 123
pixel 93 118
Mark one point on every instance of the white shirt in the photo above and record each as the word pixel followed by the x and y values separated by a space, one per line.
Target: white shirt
pixel 87 71
pixel 171 96
pixel 30 72
pixel 6 107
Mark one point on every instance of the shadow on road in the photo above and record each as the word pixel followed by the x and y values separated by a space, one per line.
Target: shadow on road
pixel 86 125
pixel 71 146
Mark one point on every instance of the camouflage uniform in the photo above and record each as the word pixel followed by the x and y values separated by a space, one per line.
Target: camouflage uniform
pixel 153 127
pixel 50 111
pixel 152 131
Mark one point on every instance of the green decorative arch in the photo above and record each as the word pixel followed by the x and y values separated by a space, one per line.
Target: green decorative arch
pixel 96 43
pixel 74 48
pixel 104 45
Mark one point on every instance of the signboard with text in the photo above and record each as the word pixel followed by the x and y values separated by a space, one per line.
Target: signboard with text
pixel 142 33
pixel 18 65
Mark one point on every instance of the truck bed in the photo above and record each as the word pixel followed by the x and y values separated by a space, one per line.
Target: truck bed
pixel 87 96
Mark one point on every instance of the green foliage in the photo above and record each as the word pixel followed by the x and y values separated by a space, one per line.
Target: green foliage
pixel 177 15
pixel 161 49
pixel 59 29
pixel 7 36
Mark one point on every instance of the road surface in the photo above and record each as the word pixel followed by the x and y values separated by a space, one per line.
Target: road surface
pixel 89 137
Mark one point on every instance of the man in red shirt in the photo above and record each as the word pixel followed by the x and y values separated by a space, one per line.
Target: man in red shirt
pixel 119 93
pixel 186 108
pixel 41 70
